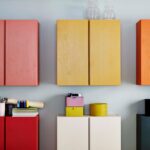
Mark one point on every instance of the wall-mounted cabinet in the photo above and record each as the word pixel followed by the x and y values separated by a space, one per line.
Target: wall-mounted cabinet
pixel 2 45
pixel 22 133
pixel 143 132
pixel 88 52
pixel 143 52
pixel 72 133
pixel 19 133
pixel 2 132
pixel 105 133
pixel 89 133
pixel 19 52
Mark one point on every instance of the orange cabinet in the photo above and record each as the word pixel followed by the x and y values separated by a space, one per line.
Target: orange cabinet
pixel 143 52
pixel 19 52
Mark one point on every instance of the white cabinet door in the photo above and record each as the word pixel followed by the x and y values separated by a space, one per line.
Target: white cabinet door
pixel 72 133
pixel 105 133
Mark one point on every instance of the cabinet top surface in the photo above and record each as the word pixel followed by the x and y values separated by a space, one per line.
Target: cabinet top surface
pixel 143 21
pixel 88 20
pixel 110 116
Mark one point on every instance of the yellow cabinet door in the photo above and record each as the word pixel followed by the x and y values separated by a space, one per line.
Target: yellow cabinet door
pixel 72 52
pixel 105 52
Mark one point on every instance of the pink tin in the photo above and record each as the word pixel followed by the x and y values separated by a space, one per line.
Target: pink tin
pixel 75 101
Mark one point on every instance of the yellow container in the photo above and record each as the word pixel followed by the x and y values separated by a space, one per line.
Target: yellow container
pixel 74 111
pixel 98 109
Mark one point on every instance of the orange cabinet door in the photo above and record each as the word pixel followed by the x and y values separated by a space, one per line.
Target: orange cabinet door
pixel 143 52
pixel 2 30
pixel 21 53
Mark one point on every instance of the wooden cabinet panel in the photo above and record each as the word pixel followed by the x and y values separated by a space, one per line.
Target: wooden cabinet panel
pixel 105 133
pixel 72 133
pixel 72 52
pixel 2 43
pixel 21 52
pixel 143 53
pixel 22 133
pixel 105 52
pixel 2 131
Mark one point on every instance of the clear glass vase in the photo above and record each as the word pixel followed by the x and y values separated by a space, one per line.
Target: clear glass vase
pixel 109 12
pixel 92 11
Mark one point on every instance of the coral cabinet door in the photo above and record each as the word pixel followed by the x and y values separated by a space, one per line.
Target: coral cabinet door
pixel 22 133
pixel 105 52
pixel 21 53
pixel 72 52
pixel 2 133
pixel 105 133
pixel 72 133
pixel 2 32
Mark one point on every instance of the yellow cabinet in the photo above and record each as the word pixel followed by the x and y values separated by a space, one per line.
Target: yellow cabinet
pixel 105 52
pixel 88 52
pixel 72 52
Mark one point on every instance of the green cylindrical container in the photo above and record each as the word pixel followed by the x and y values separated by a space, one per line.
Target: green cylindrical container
pixel 99 109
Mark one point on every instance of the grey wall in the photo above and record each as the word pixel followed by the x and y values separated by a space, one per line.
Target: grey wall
pixel 124 100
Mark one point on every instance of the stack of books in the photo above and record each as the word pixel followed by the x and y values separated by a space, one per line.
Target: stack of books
pixel 74 105
pixel 25 112
pixel 23 108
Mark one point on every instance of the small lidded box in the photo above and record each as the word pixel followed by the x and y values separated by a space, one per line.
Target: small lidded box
pixel 74 105
pixel 74 111
pixel 74 101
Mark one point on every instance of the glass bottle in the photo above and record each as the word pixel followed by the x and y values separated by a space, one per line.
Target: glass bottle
pixel 93 11
pixel 109 12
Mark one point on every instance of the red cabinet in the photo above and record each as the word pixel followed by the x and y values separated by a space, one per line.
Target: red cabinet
pixel 19 52
pixel 19 133
pixel 2 29
pixel 22 133
pixel 2 120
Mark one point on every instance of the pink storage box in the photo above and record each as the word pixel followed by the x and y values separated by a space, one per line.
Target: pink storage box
pixel 75 101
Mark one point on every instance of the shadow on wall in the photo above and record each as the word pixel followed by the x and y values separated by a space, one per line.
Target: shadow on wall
pixel 48 123
pixel 47 52
pixel 129 124
pixel 128 51
pixel 140 107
